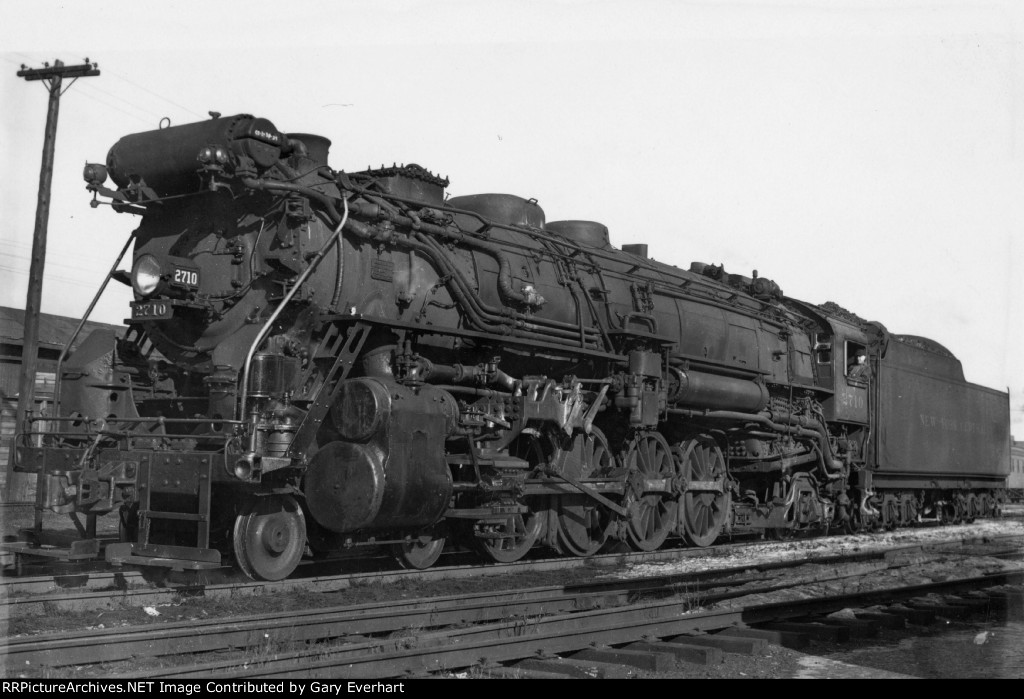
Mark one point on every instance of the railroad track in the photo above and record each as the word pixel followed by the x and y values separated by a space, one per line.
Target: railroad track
pixel 101 590
pixel 383 629
pixel 648 635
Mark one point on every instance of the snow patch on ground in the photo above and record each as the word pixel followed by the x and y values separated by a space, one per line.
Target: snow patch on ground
pixel 810 549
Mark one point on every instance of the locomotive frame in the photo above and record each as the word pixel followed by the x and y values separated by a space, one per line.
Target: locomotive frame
pixel 326 359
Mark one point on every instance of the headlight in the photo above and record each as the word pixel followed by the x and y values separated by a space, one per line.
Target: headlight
pixel 145 275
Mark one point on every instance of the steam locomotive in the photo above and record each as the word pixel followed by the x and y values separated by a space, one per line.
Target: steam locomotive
pixel 318 360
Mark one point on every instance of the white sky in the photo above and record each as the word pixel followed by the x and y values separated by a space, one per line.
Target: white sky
pixel 868 153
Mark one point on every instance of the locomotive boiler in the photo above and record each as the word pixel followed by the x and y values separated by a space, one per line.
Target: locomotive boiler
pixel 318 360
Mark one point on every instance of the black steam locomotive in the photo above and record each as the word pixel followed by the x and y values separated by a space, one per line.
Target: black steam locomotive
pixel 323 359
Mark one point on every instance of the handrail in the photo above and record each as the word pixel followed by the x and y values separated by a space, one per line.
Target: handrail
pixel 81 324
pixel 261 335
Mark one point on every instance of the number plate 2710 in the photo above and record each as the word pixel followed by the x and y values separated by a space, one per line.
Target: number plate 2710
pixel 152 310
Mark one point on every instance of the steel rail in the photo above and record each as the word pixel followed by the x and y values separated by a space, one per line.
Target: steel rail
pixel 560 633
pixel 36 595
pixel 85 647
pixel 108 645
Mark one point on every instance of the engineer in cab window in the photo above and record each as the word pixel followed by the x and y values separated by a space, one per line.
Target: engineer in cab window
pixel 858 368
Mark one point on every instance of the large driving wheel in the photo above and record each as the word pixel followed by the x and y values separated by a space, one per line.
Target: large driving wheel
pixel 270 537
pixel 704 507
pixel 582 522
pixel 653 508
pixel 419 553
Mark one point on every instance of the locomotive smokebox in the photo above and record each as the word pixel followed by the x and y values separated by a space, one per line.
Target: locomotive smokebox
pixel 166 160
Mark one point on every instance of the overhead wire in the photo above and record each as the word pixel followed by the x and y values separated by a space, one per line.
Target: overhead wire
pixel 92 86
pixel 156 94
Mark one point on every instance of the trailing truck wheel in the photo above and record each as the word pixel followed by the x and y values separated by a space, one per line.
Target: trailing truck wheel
pixel 270 538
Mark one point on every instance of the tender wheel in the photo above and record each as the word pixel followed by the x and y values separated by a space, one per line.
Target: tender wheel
pixel 419 553
pixel 890 512
pixel 270 538
pixel 703 513
pixel 653 513
pixel 971 508
pixel 583 523
pixel 985 505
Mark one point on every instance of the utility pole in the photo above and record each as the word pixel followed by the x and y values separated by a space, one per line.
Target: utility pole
pixel 53 77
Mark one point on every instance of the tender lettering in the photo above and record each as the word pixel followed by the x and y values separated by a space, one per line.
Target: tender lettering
pixel 949 424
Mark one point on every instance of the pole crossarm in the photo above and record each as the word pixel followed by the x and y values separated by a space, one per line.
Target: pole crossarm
pixel 59 70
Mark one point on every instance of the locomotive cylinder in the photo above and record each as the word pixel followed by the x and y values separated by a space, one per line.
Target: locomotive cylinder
pixel 389 469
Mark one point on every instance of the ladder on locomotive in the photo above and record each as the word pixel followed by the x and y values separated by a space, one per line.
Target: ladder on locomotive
pixel 335 356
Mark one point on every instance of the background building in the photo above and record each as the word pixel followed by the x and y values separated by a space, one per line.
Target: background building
pixel 1015 484
pixel 54 333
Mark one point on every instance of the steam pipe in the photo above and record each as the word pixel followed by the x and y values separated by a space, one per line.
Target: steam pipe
pixel 550 326
pixel 481 313
pixel 460 373
pixel 833 469
pixel 546 328
pixel 284 302
pixel 505 287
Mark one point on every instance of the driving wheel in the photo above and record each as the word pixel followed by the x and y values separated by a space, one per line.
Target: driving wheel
pixel 703 512
pixel 652 506
pixel 582 522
